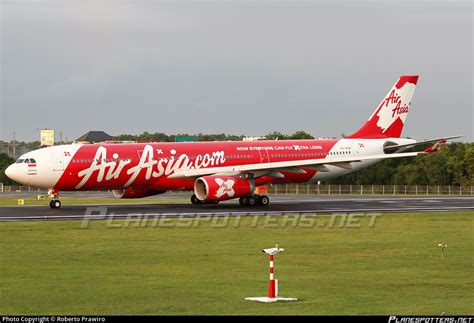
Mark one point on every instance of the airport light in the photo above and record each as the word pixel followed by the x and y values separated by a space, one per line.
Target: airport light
pixel 442 246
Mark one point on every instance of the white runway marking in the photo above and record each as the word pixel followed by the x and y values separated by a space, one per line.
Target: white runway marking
pixel 239 213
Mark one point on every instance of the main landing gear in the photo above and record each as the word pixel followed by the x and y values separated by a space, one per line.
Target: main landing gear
pixel 253 200
pixel 54 203
pixel 250 200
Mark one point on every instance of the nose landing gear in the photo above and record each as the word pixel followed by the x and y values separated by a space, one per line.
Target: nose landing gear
pixel 54 203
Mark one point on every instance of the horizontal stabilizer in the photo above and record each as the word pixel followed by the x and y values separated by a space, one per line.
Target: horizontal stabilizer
pixel 396 147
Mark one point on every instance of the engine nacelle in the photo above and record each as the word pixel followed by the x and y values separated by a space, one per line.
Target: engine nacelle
pixel 220 188
pixel 135 193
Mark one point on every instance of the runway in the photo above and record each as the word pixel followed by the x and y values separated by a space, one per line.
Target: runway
pixel 279 205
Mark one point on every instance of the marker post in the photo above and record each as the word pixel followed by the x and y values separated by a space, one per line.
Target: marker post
pixel 273 288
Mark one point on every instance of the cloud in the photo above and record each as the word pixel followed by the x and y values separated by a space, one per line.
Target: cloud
pixel 237 66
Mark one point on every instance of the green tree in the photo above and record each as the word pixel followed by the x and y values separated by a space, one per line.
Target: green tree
pixel 469 164
pixel 301 135
pixel 409 175
pixel 5 161
pixel 276 135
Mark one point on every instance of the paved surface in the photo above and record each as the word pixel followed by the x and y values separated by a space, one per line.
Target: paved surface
pixel 279 205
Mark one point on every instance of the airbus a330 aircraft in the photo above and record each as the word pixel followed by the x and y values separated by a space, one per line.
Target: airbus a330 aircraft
pixel 219 171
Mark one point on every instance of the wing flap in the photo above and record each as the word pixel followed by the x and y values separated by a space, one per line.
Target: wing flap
pixel 344 165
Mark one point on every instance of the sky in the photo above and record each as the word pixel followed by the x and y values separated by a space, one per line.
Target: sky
pixel 238 67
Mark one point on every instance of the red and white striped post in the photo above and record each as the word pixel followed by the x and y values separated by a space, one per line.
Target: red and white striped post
pixel 273 288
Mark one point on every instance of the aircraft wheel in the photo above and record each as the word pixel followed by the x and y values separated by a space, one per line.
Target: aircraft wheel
pixel 264 200
pixel 55 204
pixel 243 201
pixel 195 200
pixel 251 201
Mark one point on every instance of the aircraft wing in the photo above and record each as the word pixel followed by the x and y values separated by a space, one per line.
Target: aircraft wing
pixel 293 166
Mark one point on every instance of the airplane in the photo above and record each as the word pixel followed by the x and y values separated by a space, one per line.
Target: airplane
pixel 219 171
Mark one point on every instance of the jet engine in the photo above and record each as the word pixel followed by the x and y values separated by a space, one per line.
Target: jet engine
pixel 220 188
pixel 134 193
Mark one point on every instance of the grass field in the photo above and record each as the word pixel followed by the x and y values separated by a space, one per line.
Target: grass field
pixel 13 201
pixel 393 268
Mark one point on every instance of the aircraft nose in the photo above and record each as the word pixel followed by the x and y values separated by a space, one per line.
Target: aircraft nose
pixel 9 171
pixel 13 173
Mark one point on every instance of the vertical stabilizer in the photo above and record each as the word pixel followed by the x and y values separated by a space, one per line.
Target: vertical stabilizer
pixel 389 118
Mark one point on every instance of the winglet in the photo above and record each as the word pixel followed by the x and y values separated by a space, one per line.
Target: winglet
pixel 437 146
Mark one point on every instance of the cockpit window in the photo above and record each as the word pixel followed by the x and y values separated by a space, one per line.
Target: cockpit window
pixel 26 161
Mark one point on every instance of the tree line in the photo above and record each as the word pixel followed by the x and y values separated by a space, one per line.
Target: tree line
pixel 452 165
pixel 162 137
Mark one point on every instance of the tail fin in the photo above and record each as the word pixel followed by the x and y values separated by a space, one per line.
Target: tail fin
pixel 389 118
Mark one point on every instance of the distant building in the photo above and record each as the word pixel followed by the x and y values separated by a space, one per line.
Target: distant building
pixel 254 138
pixel 93 137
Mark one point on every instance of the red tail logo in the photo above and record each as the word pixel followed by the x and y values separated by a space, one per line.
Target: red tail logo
pixel 389 118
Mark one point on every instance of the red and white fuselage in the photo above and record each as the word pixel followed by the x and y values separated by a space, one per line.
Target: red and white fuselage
pixel 219 170
pixel 149 165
